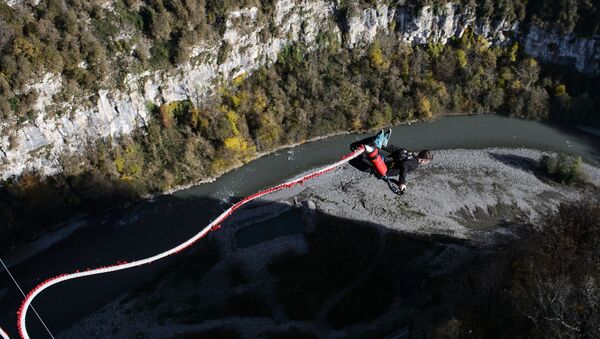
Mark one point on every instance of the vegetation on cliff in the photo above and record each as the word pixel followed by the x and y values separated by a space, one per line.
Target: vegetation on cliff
pixel 95 44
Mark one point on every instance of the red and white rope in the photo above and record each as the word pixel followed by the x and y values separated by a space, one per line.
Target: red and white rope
pixel 3 334
pixel 215 224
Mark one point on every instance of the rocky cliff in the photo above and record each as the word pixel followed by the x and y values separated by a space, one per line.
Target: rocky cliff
pixel 38 145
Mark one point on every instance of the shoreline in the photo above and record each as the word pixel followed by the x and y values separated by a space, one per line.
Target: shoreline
pixel 266 153
pixel 41 241
pixel 47 239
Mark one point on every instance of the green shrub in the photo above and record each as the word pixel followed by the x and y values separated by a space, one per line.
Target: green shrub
pixel 563 168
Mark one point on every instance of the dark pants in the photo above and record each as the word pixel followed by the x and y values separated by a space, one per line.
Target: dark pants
pixel 362 163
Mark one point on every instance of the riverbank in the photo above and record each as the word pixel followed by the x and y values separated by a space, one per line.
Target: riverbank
pixel 475 196
pixel 453 132
pixel 46 239
pixel 459 194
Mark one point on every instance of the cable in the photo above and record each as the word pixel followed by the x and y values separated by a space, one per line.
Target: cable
pixel 23 293
pixel 3 334
pixel 214 225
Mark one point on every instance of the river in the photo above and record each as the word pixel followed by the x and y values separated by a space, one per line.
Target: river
pixel 151 226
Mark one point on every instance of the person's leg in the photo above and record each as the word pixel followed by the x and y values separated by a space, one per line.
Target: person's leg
pixel 362 162
pixel 392 172
pixel 387 136
pixel 380 139
pixel 365 141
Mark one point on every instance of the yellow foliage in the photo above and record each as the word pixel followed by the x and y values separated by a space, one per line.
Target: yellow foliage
pixel 241 149
pixel 512 52
pixel 376 57
pixel 249 153
pixel 505 77
pixel 560 90
pixel 243 95
pixel 236 143
pixel 235 101
pixel 238 99
pixel 435 49
pixel 425 108
pixel 132 149
pixel 239 80
pixel 218 166
pixel 392 25
pixel 22 46
pixel 194 117
pixel 531 62
pixel 269 131
pixel 461 57
pixel 120 164
pixel 129 163
pixel 233 119
pixel 260 103
pixel 357 124
pixel 516 84
pixel 482 43
pixel 203 122
pixel 468 38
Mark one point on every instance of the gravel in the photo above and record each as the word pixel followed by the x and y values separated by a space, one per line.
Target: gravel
pixel 460 193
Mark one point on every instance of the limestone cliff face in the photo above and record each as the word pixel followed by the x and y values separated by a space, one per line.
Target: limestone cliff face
pixel 38 145
pixel 568 49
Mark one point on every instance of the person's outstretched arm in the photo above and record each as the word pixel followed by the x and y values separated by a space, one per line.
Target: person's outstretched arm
pixel 406 166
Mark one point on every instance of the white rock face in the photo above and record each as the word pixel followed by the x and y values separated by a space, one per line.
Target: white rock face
pixel 583 53
pixel 363 29
pixel 425 26
pixel 38 145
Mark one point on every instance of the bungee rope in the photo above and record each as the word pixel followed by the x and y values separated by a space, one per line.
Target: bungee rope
pixel 3 334
pixel 122 265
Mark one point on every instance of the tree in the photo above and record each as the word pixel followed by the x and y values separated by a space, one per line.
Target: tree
pixel 424 107
pixel 376 57
pixel 556 282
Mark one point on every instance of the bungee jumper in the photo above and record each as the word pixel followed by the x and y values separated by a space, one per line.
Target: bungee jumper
pixel 398 161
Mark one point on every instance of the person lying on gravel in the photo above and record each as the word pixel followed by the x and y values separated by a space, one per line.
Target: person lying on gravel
pixel 398 160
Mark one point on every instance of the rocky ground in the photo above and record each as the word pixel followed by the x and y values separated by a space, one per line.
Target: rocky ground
pixel 368 264
pixel 459 193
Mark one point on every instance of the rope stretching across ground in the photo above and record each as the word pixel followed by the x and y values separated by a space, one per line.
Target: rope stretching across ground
pixel 215 224
pixel 3 334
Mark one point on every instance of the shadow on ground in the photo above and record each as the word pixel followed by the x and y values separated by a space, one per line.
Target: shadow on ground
pixel 516 161
pixel 355 279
